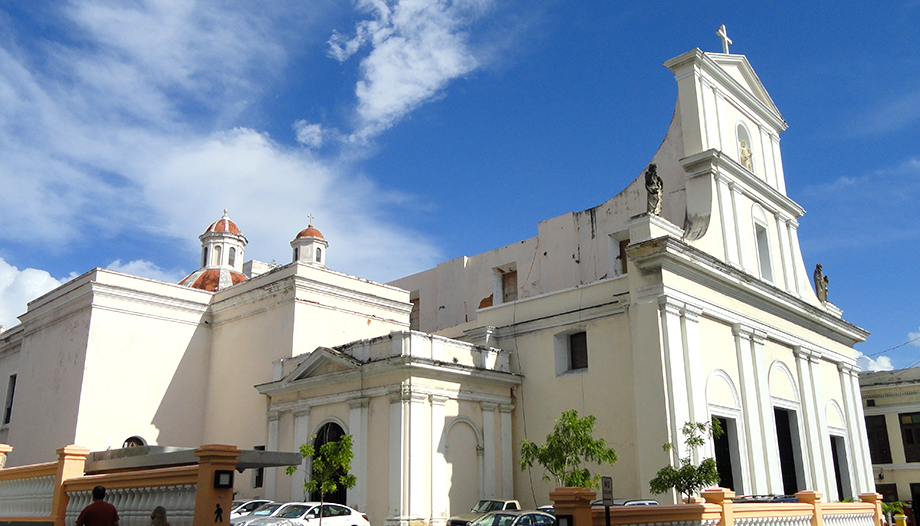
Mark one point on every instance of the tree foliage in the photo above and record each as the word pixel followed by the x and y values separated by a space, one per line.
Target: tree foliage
pixel 687 478
pixel 330 467
pixel 567 449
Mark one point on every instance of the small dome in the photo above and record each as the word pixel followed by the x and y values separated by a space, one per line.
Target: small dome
pixel 212 279
pixel 310 231
pixel 224 224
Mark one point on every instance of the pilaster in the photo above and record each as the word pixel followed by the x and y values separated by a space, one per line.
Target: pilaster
pixel 357 424
pixel 488 444
pixel 439 486
pixel 757 417
pixel 678 390
pixel 271 444
pixel 813 436
pixel 301 436
pixel 505 411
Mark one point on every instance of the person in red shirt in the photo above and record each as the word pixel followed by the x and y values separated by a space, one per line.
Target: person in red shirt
pixel 99 513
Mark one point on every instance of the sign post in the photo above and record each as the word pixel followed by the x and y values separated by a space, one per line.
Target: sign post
pixel 607 493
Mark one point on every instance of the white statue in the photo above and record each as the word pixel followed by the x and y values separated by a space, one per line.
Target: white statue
pixel 746 155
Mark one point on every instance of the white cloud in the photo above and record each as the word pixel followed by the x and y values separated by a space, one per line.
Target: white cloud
pixel 145 269
pixel 882 363
pixel 98 138
pixel 309 135
pixel 18 287
pixel 417 48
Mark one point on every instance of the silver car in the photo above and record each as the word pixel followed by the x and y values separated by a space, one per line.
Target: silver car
pixel 308 514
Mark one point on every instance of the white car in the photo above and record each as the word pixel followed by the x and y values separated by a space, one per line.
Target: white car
pixel 246 507
pixel 307 514
pixel 269 509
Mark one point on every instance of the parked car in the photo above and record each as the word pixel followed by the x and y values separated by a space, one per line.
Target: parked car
pixel 627 502
pixel 764 498
pixel 515 518
pixel 245 507
pixel 547 508
pixel 308 513
pixel 481 508
pixel 266 510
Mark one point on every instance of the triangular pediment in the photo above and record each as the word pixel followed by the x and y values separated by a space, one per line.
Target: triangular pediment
pixel 321 362
pixel 738 68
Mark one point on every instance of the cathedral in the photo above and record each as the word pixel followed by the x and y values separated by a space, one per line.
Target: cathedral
pixel 681 299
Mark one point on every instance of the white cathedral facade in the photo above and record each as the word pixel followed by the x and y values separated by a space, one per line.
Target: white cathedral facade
pixel 682 298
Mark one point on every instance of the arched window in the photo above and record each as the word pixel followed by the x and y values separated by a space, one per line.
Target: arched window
pixel 217 257
pixel 231 257
pixel 329 432
pixel 319 255
pixel 296 254
pixel 204 256
pixel 762 242
pixel 745 147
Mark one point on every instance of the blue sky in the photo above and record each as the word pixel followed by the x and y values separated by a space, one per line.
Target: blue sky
pixel 416 132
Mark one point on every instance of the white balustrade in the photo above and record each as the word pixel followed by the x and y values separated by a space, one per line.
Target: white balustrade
pixel 135 504
pixel 26 497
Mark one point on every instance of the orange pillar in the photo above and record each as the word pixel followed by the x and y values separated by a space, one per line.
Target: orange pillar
pixel 814 498
pixel 212 504
pixel 71 460
pixel 575 502
pixel 876 499
pixel 722 497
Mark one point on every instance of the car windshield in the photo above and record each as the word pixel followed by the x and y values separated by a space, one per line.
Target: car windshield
pixel 487 505
pixel 293 512
pixel 266 509
pixel 494 519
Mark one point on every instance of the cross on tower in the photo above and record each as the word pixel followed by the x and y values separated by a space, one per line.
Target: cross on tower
pixel 311 219
pixel 725 40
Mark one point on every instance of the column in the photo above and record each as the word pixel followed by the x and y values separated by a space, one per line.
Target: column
pixel 743 234
pixel 418 439
pixel 678 390
pixel 507 452
pixel 271 445
pixel 790 239
pixel 812 446
pixel 728 220
pixel 488 445
pixel 759 425
pixel 778 165
pixel 856 427
pixel 439 486
pixel 782 236
pixel 357 424
pixel 398 476
pixel 693 365
pixel 766 156
pixel 301 436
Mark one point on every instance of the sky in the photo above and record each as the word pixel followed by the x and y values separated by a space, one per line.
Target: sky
pixel 418 131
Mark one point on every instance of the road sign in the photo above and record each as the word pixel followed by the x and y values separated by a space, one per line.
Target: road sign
pixel 607 490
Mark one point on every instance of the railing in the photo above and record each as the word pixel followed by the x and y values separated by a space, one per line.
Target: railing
pixel 716 508
pixel 27 491
pixel 135 494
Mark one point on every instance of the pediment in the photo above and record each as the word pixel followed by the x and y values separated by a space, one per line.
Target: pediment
pixel 321 362
pixel 738 68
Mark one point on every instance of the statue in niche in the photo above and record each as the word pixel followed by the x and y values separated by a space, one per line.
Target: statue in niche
pixel 746 155
pixel 821 283
pixel 654 186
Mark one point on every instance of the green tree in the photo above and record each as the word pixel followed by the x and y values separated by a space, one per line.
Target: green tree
pixel 567 448
pixel 689 479
pixel 330 467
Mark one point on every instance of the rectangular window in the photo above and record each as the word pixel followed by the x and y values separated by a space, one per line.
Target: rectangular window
pixel 910 434
pixel 763 252
pixel 622 261
pixel 259 473
pixel 8 408
pixel 578 350
pixel 879 449
pixel 509 286
pixel 413 316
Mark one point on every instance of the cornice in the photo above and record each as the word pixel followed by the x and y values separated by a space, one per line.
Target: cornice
pixel 717 163
pixel 672 255
pixel 583 315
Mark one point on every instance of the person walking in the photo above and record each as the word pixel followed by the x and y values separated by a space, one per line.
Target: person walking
pixel 158 517
pixel 99 513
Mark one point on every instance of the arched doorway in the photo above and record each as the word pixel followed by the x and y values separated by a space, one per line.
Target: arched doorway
pixel 329 432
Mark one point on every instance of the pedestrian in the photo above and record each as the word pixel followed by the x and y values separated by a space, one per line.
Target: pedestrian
pixel 99 513
pixel 158 517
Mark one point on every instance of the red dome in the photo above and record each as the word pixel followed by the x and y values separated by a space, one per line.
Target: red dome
pixel 212 279
pixel 310 231
pixel 224 224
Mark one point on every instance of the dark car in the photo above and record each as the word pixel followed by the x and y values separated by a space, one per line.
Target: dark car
pixel 628 502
